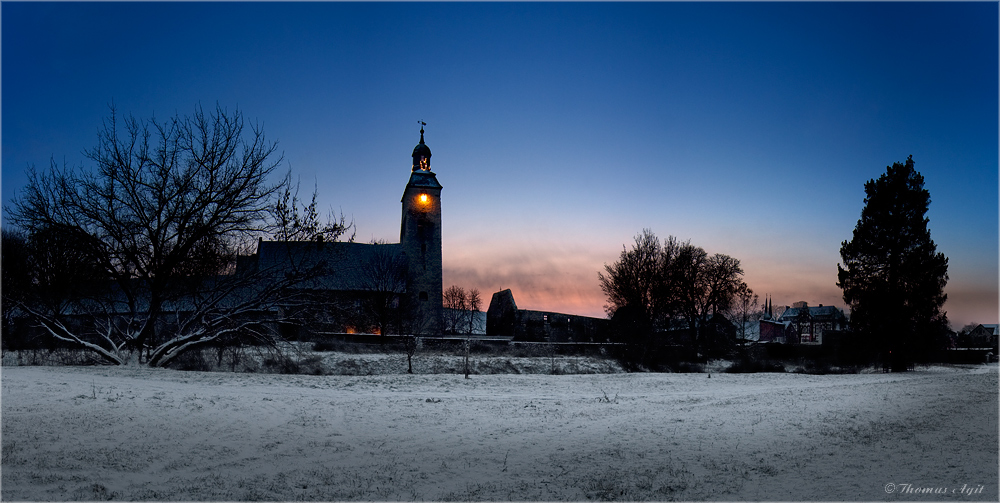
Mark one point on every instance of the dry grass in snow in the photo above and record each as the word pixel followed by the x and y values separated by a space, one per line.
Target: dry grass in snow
pixel 83 433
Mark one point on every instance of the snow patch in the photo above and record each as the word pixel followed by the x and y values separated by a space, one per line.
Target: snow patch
pixel 138 434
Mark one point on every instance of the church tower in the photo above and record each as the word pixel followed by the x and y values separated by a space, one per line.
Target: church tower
pixel 420 239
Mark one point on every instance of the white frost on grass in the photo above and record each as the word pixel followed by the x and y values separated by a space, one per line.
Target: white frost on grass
pixel 78 433
pixel 428 362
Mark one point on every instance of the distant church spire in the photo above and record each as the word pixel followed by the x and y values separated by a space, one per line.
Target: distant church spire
pixel 421 153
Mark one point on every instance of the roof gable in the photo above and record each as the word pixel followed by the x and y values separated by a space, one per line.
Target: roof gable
pixel 815 312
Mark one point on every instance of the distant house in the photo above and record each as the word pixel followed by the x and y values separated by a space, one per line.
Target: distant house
pixel 777 332
pixel 770 330
pixel 982 336
pixel 810 322
pixel 800 324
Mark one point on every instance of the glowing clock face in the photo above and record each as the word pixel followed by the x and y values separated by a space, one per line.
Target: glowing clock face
pixel 423 198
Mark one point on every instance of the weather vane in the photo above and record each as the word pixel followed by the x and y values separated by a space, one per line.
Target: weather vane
pixel 422 124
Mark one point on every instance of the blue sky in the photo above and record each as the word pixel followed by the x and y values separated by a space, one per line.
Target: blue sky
pixel 561 130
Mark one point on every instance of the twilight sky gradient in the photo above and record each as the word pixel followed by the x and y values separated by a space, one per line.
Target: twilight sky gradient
pixel 560 131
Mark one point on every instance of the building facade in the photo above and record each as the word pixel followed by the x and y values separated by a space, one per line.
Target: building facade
pixel 810 322
pixel 503 318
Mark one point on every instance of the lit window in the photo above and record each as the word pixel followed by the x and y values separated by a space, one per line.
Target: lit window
pixel 423 198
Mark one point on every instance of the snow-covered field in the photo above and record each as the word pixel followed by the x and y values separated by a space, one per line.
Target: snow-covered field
pixel 78 433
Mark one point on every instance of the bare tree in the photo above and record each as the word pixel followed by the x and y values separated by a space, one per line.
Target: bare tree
pixel 162 217
pixel 461 308
pixel 474 304
pixel 461 315
pixel 640 298
pixel 18 280
pixel 658 283
pixel 385 277
pixel 745 313
pixel 412 323
pixel 455 302
pixel 293 220
pixel 704 286
pixel 636 279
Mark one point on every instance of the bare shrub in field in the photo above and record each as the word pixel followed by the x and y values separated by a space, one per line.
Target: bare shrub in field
pixel 823 367
pixel 749 366
pixel 661 483
pixel 56 356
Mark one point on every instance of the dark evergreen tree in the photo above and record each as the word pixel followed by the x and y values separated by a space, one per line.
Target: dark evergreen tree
pixel 892 276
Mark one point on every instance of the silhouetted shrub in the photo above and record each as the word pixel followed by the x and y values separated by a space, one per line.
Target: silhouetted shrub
pixel 686 367
pixel 191 360
pixel 312 365
pixel 749 366
pixel 342 346
pixel 327 345
pixel 823 367
pixel 281 364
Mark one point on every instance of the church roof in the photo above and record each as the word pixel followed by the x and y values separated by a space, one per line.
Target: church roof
pixel 821 312
pixel 421 149
pixel 423 179
pixel 346 266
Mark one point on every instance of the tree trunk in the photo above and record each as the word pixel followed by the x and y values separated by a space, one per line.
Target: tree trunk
pixel 466 357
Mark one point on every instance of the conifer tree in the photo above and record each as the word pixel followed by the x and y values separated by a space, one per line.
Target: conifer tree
pixel 892 276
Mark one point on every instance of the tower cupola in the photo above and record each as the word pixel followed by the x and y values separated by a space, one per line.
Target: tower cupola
pixel 421 153
pixel 420 241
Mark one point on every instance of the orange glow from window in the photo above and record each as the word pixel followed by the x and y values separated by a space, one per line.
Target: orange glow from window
pixel 423 198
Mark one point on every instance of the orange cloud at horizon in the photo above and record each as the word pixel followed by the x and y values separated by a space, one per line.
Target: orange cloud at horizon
pixel 564 279
pixel 560 281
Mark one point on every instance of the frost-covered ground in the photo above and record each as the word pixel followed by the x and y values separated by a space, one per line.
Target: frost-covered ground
pixel 72 433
